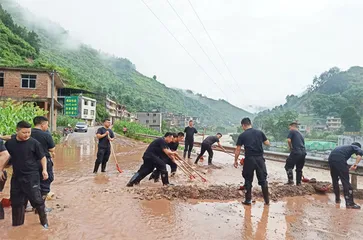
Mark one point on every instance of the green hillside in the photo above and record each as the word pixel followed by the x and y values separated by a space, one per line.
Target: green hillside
pixel 334 93
pixel 86 68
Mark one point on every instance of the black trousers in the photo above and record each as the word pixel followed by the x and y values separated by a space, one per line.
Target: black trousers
pixel 26 187
pixel 103 154
pixel 150 163
pixel 45 184
pixel 296 159
pixel 168 161
pixel 188 147
pixel 204 148
pixel 2 183
pixel 339 169
pixel 254 164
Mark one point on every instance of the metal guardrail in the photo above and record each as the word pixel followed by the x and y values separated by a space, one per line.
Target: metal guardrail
pixel 313 162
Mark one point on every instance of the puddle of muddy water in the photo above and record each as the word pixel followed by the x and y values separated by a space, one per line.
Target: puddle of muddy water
pixel 89 206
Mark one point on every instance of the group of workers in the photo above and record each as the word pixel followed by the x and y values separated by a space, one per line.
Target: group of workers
pixel 30 152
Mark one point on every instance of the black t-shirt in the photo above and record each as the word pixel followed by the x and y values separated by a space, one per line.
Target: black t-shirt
pixel 173 146
pixel 210 140
pixel 189 133
pixel 344 153
pixel 104 142
pixel 297 141
pixel 252 140
pixel 2 146
pixel 45 140
pixel 25 155
pixel 156 148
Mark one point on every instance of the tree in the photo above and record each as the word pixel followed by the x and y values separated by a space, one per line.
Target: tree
pixel 351 120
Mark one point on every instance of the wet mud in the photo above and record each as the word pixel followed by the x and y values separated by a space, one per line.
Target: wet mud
pixel 100 206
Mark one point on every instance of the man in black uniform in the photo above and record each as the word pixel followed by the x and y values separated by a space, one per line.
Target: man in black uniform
pixel 297 154
pixel 207 146
pixel 173 146
pixel 104 135
pixel 189 139
pixel 153 159
pixel 4 156
pixel 41 134
pixel 339 170
pixel 252 141
pixel 26 153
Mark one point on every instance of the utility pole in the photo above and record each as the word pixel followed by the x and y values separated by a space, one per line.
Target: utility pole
pixel 52 104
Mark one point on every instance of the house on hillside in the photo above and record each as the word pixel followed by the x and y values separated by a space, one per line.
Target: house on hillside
pixel 116 111
pixel 151 119
pixel 31 85
pixel 333 123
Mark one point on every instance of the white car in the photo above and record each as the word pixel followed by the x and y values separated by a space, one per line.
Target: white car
pixel 81 127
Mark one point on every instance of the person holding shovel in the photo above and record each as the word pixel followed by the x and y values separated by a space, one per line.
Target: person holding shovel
pixel 339 170
pixel 173 146
pixel 105 135
pixel 207 146
pixel 252 140
pixel 297 155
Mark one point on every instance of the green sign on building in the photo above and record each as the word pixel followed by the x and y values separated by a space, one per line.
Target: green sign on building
pixel 71 106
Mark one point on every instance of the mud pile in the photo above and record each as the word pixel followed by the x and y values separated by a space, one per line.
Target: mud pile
pixel 221 192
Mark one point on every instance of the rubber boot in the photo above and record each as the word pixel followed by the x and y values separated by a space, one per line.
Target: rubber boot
pixel 47 210
pixel 134 180
pixel 196 160
pixel 42 216
pixel 298 178
pixel 265 194
pixel 2 213
pixel 248 197
pixel 349 203
pixel 337 193
pixel 184 154
pixel 290 177
pixel 103 168
pixel 18 214
pixel 95 170
pixel 210 160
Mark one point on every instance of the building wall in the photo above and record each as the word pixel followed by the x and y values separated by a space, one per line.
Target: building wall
pixel 12 85
pixel 150 119
pixel 88 117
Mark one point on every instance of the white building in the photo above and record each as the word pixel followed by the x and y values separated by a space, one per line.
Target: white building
pixel 333 123
pixel 87 109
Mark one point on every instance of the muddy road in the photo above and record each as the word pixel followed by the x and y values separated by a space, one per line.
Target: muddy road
pixel 89 206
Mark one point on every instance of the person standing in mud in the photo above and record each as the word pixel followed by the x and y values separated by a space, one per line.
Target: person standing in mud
pixel 339 169
pixel 104 135
pixel 207 146
pixel 153 158
pixel 252 140
pixel 297 155
pixel 189 139
pixel 173 146
pixel 26 153
pixel 4 156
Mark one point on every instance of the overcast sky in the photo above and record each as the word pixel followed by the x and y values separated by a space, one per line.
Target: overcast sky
pixel 273 48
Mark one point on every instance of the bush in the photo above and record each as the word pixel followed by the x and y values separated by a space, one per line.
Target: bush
pixel 64 120
pixel 12 112
pixel 133 129
pixel 56 137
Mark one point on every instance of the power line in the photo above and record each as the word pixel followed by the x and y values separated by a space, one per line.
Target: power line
pixel 185 49
pixel 200 46
pixel 220 55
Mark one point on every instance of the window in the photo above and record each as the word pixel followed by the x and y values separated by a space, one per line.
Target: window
pixel 147 114
pixel 154 121
pixel 92 112
pixel 147 121
pixel 85 111
pixel 154 115
pixel 85 102
pixel 28 81
pixel 92 104
pixel 1 79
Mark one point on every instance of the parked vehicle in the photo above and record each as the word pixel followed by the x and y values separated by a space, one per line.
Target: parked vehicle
pixel 81 127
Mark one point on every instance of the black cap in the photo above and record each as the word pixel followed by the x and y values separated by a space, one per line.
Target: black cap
pixel 294 123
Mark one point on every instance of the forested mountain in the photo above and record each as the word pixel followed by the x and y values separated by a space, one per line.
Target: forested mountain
pixel 48 45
